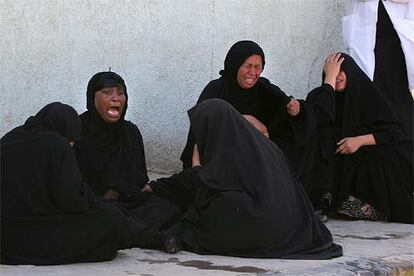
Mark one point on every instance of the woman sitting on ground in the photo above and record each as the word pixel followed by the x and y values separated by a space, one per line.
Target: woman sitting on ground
pixel 241 197
pixel 48 216
pixel 286 121
pixel 372 170
pixel 111 153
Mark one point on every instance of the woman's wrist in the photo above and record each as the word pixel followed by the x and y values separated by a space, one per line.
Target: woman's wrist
pixel 367 140
pixel 330 80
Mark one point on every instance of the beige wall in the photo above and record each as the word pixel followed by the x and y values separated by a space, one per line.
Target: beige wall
pixel 166 51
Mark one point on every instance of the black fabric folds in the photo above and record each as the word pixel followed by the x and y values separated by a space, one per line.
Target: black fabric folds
pixel 390 75
pixel 320 147
pixel 244 200
pixel 48 216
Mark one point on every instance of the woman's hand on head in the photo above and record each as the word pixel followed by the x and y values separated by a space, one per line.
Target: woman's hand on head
pixel 293 107
pixel 257 124
pixel 332 67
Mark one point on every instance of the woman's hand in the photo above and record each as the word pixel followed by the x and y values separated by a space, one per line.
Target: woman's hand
pixel 111 194
pixel 293 107
pixel 147 189
pixel 257 124
pixel 196 157
pixel 332 67
pixel 350 145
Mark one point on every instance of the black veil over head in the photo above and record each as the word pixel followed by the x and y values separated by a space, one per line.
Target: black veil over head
pixel 58 117
pixel 237 55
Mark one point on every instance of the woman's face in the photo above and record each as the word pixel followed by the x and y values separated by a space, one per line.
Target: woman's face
pixel 110 103
pixel 250 71
pixel 340 83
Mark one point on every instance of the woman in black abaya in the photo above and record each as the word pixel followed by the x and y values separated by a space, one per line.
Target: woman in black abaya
pixel 47 215
pixel 373 166
pixel 283 119
pixel 241 197
pixel 288 122
pixel 111 153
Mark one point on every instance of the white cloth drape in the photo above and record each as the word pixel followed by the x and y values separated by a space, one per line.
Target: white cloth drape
pixel 359 32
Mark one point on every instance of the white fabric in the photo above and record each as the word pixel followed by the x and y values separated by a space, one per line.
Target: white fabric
pixel 402 17
pixel 359 32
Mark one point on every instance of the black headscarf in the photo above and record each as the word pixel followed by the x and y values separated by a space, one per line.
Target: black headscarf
pixel 57 117
pixel 246 101
pixel 110 155
pixel 102 80
pixel 238 54
pixel 95 131
pixel 108 134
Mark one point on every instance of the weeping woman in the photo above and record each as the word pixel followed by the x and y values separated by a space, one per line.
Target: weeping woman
pixel 371 150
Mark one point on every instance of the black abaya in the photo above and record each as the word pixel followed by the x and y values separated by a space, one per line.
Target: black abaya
pixel 48 216
pixel 390 75
pixel 111 157
pixel 382 174
pixel 244 200
pixel 318 181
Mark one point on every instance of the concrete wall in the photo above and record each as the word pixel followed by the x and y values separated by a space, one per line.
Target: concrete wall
pixel 166 50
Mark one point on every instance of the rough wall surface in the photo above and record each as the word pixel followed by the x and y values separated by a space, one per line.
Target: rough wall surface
pixel 166 50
